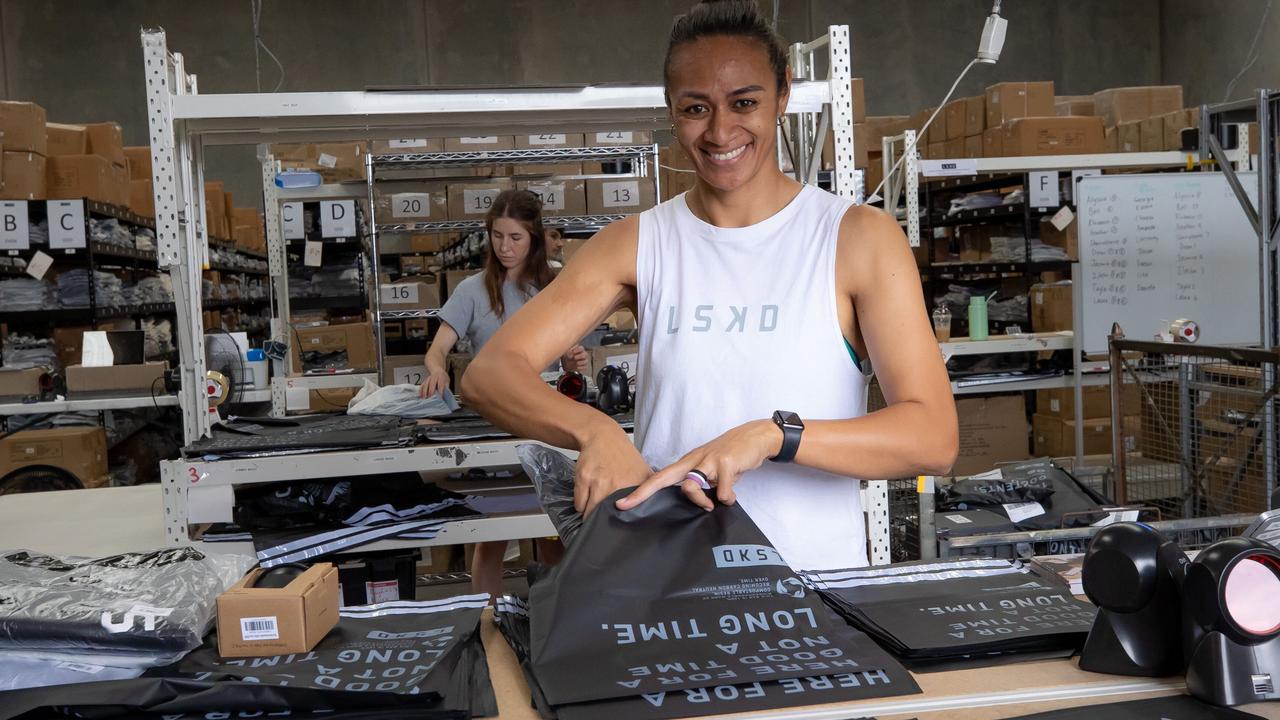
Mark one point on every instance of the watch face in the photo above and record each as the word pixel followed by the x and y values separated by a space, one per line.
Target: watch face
pixel 790 419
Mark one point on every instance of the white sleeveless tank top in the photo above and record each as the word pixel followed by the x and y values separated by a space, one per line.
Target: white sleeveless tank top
pixel 736 323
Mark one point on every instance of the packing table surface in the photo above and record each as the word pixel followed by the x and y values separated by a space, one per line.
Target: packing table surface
pixel 111 520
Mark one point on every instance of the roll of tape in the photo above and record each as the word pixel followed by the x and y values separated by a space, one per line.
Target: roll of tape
pixel 1185 331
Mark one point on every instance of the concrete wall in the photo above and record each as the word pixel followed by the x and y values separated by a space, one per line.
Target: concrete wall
pixel 83 61
pixel 1204 46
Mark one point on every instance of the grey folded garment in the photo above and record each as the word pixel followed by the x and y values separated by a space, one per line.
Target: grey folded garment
pixel 26 294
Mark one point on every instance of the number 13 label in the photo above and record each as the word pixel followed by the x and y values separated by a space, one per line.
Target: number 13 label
pixel 621 194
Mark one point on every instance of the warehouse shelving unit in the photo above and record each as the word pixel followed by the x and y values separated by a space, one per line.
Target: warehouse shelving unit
pixel 183 122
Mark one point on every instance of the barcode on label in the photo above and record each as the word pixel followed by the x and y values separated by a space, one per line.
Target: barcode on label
pixel 259 628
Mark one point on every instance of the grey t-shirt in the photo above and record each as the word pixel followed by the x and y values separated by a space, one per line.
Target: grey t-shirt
pixel 470 315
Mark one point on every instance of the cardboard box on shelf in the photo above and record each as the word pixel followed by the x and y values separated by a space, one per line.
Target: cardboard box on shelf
pixel 484 143
pixel 993 142
pixel 622 320
pixel 1052 136
pixel 416 293
pixel 1129 136
pixel 339 162
pixel 67 343
pixel 973 146
pixel 106 139
pixel 933 151
pixel 403 370
pixel 139 161
pixel 625 194
pixel 415 264
pixel 953 148
pixel 471 201
pixel 545 169
pixel 410 202
pixel 857 88
pixel 114 380
pixel 1243 490
pixel 453 277
pixel 571 247
pixel 1056 436
pixel 1151 134
pixel 622 356
pixel 458 364
pixel 1131 104
pixel 954 114
pixel 1061 402
pixel 119 186
pixel 63 139
pixel 215 210
pixel 619 137
pixel 1111 140
pixel 22 127
pixel 1051 307
pixel 1067 238
pixel 18 385
pixel 81 451
pixel 23 176
pixel 142 198
pixel 403 146
pixel 547 141
pixel 1012 100
pixel 1079 105
pixel 675 182
pixel 431 242
pixel 356 339
pixel 79 176
pixel 992 430
pixel 260 622
pixel 326 400
pixel 1160 438
pixel 1175 122
pixel 975 115
pixel 559 197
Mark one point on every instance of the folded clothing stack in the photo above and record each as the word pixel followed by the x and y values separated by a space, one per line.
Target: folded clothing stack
pixel 73 289
pixel 933 614
pixel 24 294
pixel 26 351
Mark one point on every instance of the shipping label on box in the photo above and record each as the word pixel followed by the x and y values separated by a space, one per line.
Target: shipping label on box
pixel 610 197
pixel 622 137
pixel 559 197
pixel 546 141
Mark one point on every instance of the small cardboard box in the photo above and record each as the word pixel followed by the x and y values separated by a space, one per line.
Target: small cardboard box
pixel 66 139
pixel 403 370
pixel 1132 104
pixel 992 430
pixel 22 127
pixel 559 197
pixel 619 137
pixel 471 201
pixel 405 146
pixel 411 202
pixel 67 343
pixel 626 357
pixel 1053 135
pixel 415 264
pixel 431 242
pixel 339 162
pixel 1051 307
pixel 81 451
pixel 619 196
pixel 114 380
pixel 1067 239
pixel 1129 136
pixel 17 385
pixel 139 157
pixel 1056 436
pixel 1151 134
pixel 259 622
pixel 453 277
pixel 857 88
pixel 416 293
pixel 1078 105
pixel 485 143
pixel 106 140
pixel 1012 100
pixel 993 142
pixel 546 141
pixel 79 176
pixel 954 115
pixel 1061 402
pixel 23 176
pixel 354 338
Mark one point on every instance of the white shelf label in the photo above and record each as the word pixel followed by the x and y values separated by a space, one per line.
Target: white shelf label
pixel 39 265
pixel 259 628
pixel 405 294
pixel 407 143
pixel 66 224
pixel 551 194
pixel 409 375
pixel 291 220
pixel 478 201
pixel 338 218
pixel 615 137
pixel 314 253
pixel 621 194
pixel 948 168
pixel 1023 511
pixel 553 139
pixel 15 227
pixel 327 161
pixel 479 140
pixel 411 205
pixel 297 398
pixel 1042 189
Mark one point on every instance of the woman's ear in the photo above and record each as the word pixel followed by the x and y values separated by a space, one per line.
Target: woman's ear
pixel 785 95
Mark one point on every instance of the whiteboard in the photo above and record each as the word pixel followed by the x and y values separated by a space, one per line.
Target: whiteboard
pixel 1157 248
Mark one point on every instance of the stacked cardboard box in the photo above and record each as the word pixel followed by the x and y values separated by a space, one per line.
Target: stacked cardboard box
pixel 87 161
pixel 1054 421
pixel 1144 118
pixel 23 146
pixel 336 162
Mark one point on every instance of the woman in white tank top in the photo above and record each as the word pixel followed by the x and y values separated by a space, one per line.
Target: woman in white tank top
pixel 757 297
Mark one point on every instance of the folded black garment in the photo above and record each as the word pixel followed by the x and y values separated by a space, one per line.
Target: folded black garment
pixel 153 604
pixel 976 507
pixel 669 597
pixel 512 617
pixel 255 437
pixel 930 612
pixel 1175 707
pixel 419 657
pixel 463 426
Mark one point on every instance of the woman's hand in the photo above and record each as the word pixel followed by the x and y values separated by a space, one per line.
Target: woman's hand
pixel 435 384
pixel 576 360
pixel 722 461
pixel 606 464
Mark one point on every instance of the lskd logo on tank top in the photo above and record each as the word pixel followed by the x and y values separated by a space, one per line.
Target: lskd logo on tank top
pixel 723 319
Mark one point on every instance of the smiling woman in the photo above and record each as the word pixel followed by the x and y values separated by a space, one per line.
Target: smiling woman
pixel 757 296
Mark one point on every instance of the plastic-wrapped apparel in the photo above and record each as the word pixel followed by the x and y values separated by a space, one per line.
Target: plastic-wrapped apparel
pixel 670 598
pixel 79 618
pixel 403 659
pixel 1031 495
pixel 400 400
pixel 964 610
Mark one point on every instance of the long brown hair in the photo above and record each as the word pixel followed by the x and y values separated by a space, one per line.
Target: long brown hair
pixel 526 208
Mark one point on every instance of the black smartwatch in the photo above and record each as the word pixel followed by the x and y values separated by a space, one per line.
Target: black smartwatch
pixel 792 427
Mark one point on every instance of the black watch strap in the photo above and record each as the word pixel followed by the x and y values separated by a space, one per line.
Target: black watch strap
pixel 792 428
